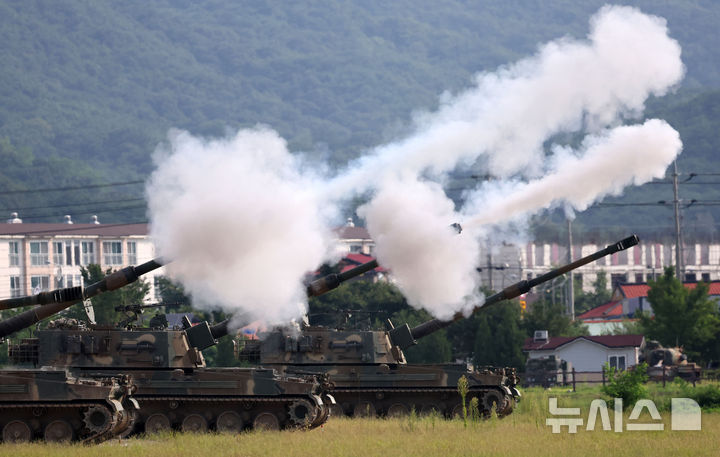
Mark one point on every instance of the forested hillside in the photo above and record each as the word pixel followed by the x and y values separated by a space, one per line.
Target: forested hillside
pixel 88 89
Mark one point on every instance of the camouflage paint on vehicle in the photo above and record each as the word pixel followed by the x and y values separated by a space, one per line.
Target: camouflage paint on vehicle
pixel 51 405
pixel 174 387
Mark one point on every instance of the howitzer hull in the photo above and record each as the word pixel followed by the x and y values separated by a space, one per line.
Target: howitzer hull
pixel 369 376
pixel 52 406
pixel 172 385
pixel 396 390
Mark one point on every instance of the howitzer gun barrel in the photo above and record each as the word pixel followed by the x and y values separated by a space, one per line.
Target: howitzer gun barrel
pixel 514 290
pixel 331 281
pixel 57 300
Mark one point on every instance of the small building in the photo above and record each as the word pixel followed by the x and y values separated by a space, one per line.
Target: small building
pixel 587 353
pixel 354 240
pixel 604 319
pixel 634 297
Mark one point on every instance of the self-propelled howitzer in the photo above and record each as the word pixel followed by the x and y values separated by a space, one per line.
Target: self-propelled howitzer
pixel 174 387
pixel 369 371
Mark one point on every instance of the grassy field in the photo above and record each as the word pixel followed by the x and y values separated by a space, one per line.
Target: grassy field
pixel 524 433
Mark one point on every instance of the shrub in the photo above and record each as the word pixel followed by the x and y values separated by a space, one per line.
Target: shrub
pixel 628 385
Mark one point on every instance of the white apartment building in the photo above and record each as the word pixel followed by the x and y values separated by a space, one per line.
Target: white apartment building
pixel 38 257
pixel 635 265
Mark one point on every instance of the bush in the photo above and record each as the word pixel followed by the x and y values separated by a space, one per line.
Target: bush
pixel 628 385
pixel 707 396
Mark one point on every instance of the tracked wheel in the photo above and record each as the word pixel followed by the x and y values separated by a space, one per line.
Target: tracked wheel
pixel 492 399
pixel 97 419
pixel 336 410
pixel 301 413
pixel 194 423
pixel 364 409
pixel 229 422
pixel 266 421
pixel 58 431
pixel 16 431
pixel 457 411
pixel 509 406
pixel 156 423
pixel 398 410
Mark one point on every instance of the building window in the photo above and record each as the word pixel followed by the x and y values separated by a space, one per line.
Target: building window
pixel 619 258
pixel 39 283
pixel 73 280
pixel 112 252
pixel 132 252
pixel 690 277
pixel 88 252
pixel 15 286
pixel 39 253
pixel 14 248
pixel 355 248
pixel 58 254
pixel 705 277
pixel 617 362
pixel 540 255
pixel 638 277
pixel 705 254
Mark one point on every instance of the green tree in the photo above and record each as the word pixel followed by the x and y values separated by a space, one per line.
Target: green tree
pixel 104 304
pixel 357 304
pixel 171 292
pixel 434 348
pixel 682 316
pixel 600 295
pixel 499 336
pixel 546 315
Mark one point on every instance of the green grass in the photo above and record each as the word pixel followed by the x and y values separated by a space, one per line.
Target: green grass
pixel 524 433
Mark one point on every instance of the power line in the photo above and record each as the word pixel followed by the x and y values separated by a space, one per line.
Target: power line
pixel 68 205
pixel 62 189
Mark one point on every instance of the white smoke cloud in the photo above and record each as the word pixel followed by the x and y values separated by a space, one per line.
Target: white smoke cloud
pixel 240 224
pixel 509 114
pixel 410 222
pixel 243 224
pixel 609 162
pixel 569 85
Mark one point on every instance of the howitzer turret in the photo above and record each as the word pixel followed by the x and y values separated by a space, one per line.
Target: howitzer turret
pixel 369 370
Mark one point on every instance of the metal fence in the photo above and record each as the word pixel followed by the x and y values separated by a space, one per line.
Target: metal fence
pixel 572 378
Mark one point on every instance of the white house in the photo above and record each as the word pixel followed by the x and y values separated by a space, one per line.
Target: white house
pixel 587 353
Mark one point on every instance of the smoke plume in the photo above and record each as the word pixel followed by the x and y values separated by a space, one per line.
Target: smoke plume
pixel 243 223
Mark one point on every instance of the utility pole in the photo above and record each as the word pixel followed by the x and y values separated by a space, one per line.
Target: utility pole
pixel 570 287
pixel 489 266
pixel 679 269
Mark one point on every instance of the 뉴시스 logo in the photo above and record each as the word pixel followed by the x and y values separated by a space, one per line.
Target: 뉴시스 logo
pixel 684 415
